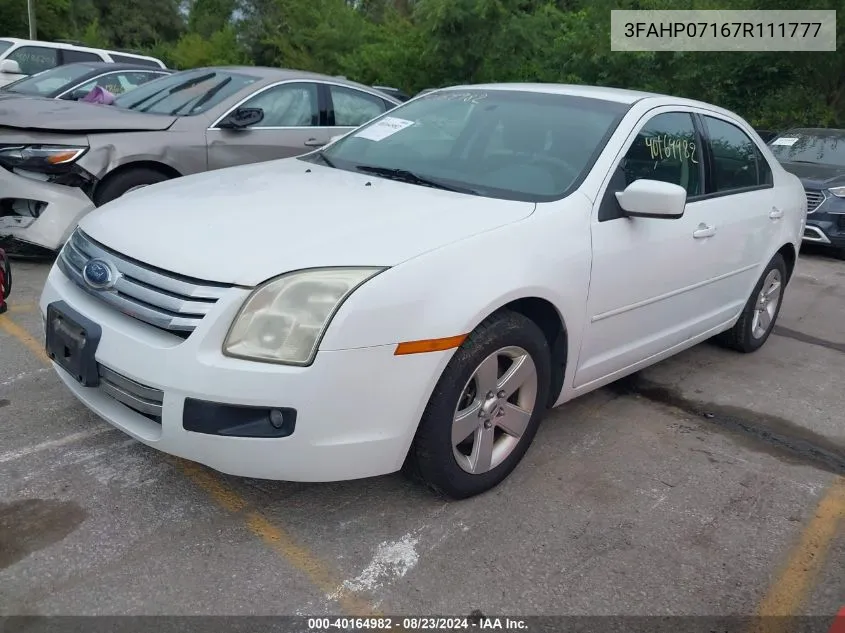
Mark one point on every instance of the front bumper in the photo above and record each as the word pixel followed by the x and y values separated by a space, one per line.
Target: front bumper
pixel 356 410
pixel 62 208
pixel 827 229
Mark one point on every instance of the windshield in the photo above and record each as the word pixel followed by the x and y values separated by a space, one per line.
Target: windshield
pixel 826 147
pixel 5 45
pixel 506 144
pixel 185 93
pixel 49 81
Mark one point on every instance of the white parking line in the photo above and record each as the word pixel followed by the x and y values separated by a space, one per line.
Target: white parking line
pixel 44 446
pixel 22 376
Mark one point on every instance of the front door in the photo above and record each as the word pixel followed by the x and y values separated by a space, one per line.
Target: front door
pixel 648 285
pixel 292 126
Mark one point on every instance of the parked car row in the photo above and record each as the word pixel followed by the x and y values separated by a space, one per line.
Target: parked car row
pixel 413 295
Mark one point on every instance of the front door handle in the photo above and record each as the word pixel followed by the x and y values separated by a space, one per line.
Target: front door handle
pixel 312 142
pixel 776 213
pixel 704 231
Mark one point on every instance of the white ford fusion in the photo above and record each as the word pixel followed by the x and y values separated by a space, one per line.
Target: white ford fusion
pixel 418 293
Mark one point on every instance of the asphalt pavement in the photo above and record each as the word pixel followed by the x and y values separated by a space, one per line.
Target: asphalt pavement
pixel 710 484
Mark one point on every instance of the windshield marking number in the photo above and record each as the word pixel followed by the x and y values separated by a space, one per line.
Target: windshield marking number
pixel 383 128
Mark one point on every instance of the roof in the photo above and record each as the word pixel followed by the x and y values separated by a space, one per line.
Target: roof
pixel 280 74
pixel 618 95
pixel 114 66
pixel 595 92
pixel 64 45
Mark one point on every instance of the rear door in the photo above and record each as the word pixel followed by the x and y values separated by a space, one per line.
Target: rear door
pixel 294 123
pixel 743 210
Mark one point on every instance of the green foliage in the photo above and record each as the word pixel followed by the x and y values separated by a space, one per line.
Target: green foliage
pixel 416 44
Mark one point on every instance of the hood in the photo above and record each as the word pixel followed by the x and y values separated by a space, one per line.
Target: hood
pixel 817 175
pixel 38 113
pixel 243 225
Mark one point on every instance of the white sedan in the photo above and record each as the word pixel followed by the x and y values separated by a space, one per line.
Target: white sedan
pixel 418 293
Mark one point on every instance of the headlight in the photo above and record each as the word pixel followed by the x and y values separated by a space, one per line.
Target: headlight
pixel 283 320
pixel 43 158
pixel 839 192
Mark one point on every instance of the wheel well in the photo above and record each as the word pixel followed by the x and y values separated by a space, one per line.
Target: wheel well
pixel 789 256
pixel 547 318
pixel 167 170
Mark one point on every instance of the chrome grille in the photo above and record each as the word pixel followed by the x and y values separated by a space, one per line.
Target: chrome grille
pixel 164 300
pixel 814 199
pixel 142 399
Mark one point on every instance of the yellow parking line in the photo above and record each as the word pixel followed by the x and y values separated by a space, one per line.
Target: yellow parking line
pixel 32 344
pixel 797 578
pixel 23 307
pixel 283 543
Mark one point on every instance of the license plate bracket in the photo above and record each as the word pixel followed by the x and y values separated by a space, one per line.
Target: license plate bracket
pixel 71 342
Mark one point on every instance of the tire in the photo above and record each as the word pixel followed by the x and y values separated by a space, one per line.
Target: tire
pixel 746 336
pixel 448 469
pixel 119 184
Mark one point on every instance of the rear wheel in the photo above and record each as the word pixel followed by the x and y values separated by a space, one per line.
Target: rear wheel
pixel 485 409
pixel 758 318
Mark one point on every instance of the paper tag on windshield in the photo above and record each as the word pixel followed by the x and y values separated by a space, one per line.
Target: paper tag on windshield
pixel 788 141
pixel 383 128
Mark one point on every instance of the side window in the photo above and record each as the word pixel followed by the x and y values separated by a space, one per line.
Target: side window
pixel 34 59
pixel 667 149
pixel 71 56
pixel 734 157
pixel 287 105
pixel 764 170
pixel 353 107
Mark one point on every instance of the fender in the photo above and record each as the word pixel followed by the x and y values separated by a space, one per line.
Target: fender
pixel 447 292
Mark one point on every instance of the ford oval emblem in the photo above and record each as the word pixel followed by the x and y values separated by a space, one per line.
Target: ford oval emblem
pixel 99 274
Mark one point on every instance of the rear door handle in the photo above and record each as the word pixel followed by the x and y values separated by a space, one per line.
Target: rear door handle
pixel 704 231
pixel 776 213
pixel 312 142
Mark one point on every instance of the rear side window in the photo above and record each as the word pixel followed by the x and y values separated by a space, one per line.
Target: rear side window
pixel 71 57
pixel 735 158
pixel 126 59
pixel 34 59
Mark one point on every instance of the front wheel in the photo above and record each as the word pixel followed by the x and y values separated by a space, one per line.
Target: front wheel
pixel 124 182
pixel 485 409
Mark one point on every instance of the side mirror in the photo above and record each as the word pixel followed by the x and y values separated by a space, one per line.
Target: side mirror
pixel 10 66
pixel 653 199
pixel 242 118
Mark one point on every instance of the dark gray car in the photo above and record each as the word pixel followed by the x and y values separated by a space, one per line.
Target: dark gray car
pixel 817 157
pixel 63 159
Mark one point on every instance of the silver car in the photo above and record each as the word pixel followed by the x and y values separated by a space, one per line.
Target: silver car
pixel 59 160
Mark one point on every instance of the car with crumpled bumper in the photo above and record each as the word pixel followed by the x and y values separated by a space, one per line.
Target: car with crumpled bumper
pixel 59 160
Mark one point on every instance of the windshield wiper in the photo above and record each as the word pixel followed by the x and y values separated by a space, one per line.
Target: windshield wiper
pixel 183 86
pixel 204 99
pixel 403 175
